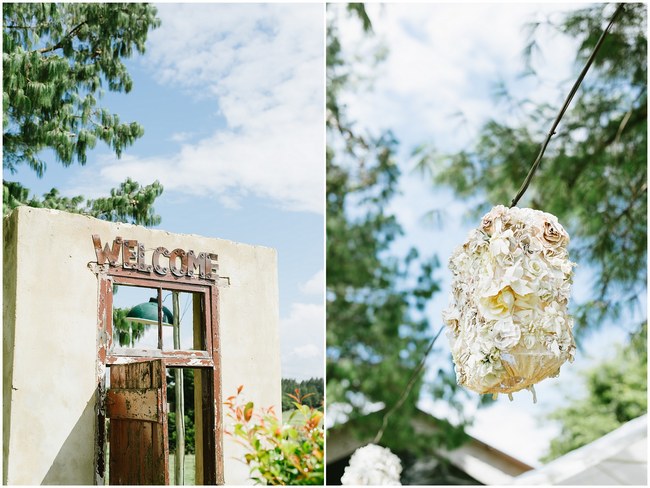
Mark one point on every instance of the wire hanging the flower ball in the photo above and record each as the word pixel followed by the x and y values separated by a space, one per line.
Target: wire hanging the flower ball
pixel 508 321
pixel 509 327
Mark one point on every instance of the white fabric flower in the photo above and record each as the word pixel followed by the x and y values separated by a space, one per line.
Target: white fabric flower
pixel 500 243
pixel 506 334
pixel 372 465
pixel 508 322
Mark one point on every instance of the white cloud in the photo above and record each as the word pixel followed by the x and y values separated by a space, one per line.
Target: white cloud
pixel 262 68
pixel 307 351
pixel 314 285
pixel 444 59
pixel 302 341
pixel 180 136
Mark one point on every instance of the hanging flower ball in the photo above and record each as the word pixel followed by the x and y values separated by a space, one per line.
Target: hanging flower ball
pixel 508 322
pixel 372 465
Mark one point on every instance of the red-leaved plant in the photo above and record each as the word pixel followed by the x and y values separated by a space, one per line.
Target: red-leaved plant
pixel 279 453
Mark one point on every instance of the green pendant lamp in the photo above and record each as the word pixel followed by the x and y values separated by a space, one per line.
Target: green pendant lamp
pixel 147 313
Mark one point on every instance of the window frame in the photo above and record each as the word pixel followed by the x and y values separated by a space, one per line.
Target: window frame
pixel 208 360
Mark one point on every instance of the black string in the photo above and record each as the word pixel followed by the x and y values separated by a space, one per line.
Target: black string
pixel 407 390
pixel 520 193
pixel 551 133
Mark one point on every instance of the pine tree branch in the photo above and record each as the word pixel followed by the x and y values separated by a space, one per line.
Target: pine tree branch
pixel 59 44
pixel 564 108
pixel 638 115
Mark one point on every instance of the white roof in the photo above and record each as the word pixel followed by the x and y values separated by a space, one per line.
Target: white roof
pixel 617 458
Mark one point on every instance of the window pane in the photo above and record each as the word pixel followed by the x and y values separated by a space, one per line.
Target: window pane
pixel 135 317
pixel 187 307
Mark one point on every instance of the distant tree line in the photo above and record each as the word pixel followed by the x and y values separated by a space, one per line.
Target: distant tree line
pixel 313 387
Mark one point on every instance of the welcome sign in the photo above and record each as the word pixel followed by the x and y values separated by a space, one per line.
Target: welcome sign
pixel 178 262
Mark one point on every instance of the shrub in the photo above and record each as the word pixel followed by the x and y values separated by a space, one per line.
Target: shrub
pixel 279 453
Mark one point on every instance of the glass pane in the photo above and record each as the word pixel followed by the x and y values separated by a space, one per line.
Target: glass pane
pixel 135 317
pixel 187 307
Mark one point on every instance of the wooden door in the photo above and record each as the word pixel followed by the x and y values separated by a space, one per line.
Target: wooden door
pixel 136 403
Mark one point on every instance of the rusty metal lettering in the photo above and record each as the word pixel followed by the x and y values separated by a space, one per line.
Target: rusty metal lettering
pixel 155 260
pixel 211 266
pixel 194 262
pixel 111 254
pixel 178 253
pixel 129 254
pixel 201 265
pixel 142 266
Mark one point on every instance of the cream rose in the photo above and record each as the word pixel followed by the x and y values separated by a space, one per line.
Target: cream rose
pixel 451 317
pixel 498 306
pixel 554 234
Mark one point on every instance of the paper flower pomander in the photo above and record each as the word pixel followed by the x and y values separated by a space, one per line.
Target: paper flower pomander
pixel 508 322
pixel 372 465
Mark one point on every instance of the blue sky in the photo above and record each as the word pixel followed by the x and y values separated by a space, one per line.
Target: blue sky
pixel 444 62
pixel 231 97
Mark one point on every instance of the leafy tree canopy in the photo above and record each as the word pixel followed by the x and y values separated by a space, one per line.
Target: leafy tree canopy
pixel 593 175
pixel 129 202
pixel 56 58
pixel 374 339
pixel 125 332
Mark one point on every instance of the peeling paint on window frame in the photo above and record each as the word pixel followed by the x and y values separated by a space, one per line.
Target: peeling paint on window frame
pixel 208 360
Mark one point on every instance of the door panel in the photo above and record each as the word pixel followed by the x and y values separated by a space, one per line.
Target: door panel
pixel 137 406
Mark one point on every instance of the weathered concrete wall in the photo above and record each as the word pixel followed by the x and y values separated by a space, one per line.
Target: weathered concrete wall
pixel 49 347
pixel 10 250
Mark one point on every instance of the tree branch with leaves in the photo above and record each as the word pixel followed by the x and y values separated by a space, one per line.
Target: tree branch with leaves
pixel 57 57
pixel 593 177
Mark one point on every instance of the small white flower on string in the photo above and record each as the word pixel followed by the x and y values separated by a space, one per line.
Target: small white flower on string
pixel 508 322
pixel 372 465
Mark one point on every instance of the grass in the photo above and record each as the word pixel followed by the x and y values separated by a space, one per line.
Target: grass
pixel 190 469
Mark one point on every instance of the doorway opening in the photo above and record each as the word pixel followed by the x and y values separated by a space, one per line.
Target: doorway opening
pixel 181 424
pixel 159 420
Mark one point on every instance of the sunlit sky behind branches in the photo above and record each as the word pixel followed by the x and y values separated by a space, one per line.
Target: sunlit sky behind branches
pixel 444 66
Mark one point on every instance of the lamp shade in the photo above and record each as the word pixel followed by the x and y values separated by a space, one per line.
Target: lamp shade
pixel 147 313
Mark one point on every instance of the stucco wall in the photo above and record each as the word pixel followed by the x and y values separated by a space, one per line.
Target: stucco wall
pixel 50 325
